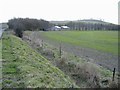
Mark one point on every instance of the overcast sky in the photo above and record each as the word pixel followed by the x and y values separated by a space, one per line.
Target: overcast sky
pixel 106 10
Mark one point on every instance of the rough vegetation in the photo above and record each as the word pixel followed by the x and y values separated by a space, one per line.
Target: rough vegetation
pixel 23 67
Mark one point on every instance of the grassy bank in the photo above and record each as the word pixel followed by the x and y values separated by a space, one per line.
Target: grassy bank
pixel 24 67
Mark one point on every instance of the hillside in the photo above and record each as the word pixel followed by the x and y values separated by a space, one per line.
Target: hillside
pixel 24 67
pixel 94 21
pixel 59 22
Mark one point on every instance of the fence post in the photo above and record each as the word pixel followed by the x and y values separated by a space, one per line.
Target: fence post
pixel 60 50
pixel 113 74
pixel 42 43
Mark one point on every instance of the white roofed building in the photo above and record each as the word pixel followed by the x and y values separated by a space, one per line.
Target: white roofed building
pixel 65 27
pixel 55 28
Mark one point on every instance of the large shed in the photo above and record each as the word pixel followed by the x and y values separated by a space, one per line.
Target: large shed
pixel 65 27
pixel 55 28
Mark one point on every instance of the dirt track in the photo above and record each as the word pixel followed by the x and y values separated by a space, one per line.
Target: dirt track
pixel 106 60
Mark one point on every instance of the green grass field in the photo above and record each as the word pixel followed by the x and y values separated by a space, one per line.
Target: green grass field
pixel 105 41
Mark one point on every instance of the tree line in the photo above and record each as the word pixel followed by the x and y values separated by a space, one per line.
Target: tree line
pixel 22 24
pixel 91 26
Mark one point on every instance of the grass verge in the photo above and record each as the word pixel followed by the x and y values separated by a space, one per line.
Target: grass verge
pixel 23 67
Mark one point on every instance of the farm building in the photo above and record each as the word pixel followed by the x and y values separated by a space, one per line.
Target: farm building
pixel 65 27
pixel 55 28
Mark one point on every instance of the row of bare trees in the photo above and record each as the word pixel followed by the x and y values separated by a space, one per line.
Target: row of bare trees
pixel 91 26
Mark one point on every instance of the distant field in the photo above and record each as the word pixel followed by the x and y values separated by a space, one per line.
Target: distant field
pixel 106 41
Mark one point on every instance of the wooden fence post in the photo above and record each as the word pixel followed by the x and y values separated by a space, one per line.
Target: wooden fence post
pixel 60 50
pixel 42 43
pixel 113 75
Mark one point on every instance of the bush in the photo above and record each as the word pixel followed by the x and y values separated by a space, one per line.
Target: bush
pixel 18 32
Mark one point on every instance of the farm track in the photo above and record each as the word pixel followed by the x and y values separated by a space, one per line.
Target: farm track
pixel 106 60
